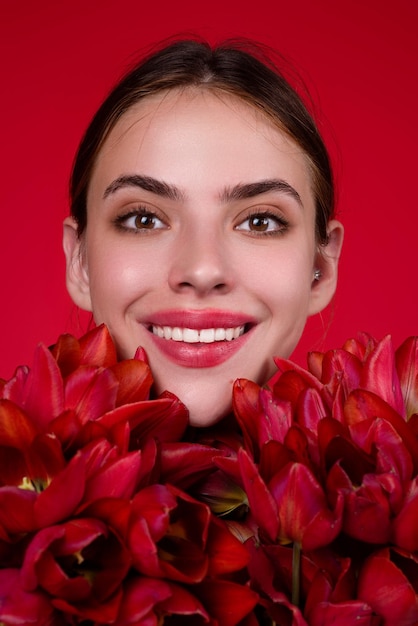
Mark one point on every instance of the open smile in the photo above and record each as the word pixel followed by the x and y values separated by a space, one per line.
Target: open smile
pixel 199 338
pixel 192 335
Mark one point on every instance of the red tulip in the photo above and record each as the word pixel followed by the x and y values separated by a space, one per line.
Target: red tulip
pixel 80 565
pixel 304 512
pixel 18 606
pixel 147 600
pixel 167 535
pixel 405 525
pixel 384 586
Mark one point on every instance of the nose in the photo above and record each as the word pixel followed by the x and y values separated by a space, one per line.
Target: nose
pixel 201 264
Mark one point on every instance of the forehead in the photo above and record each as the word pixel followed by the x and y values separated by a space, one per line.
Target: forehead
pixel 206 131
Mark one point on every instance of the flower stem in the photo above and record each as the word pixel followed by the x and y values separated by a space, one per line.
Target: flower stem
pixel 296 573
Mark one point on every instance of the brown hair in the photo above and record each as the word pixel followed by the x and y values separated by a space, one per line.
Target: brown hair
pixel 237 68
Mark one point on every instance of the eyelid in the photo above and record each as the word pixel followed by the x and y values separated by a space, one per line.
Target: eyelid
pixel 266 212
pixel 138 211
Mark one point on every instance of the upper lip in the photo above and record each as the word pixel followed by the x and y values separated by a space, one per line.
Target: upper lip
pixel 199 319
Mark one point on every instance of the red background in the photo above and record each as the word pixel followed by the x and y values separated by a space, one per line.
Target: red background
pixel 359 59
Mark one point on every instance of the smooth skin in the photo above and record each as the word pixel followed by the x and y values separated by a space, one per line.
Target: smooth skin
pixel 201 215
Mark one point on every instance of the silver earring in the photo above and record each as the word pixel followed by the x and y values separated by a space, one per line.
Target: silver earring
pixel 317 274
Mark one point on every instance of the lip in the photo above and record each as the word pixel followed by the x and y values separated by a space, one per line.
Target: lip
pixel 200 355
pixel 199 319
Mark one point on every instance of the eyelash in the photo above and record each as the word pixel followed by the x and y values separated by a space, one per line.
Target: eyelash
pixel 281 222
pixel 120 220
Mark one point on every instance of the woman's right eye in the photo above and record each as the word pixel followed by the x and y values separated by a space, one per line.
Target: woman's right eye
pixel 137 221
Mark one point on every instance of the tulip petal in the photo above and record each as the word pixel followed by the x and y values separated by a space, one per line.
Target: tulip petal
pixel 405 533
pixel 135 380
pixel 226 553
pixel 61 498
pixel 18 606
pixel 97 348
pixel 379 375
pixel 342 614
pixel 228 602
pixel 305 516
pixel 185 464
pixel 407 367
pixel 387 590
pixel 44 375
pixel 262 504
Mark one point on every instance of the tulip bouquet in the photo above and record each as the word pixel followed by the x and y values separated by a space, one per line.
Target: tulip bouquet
pixel 299 509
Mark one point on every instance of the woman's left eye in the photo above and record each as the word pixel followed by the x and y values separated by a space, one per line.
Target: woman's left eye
pixel 263 223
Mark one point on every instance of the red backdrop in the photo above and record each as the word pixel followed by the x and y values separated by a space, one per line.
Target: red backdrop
pixel 359 59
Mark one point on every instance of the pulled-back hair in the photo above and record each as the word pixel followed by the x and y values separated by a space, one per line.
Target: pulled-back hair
pixel 235 68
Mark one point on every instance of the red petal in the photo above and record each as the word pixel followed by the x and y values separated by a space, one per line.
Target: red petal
pixel 16 429
pixel 21 607
pixel 262 504
pixel 367 512
pixel 343 614
pixel 182 602
pixel 44 393
pixel 407 367
pixel 341 368
pixel 304 513
pixel 380 376
pixel 16 510
pixel 141 595
pixel 246 405
pixel 362 405
pixel 310 409
pixel 116 480
pixel 67 353
pixel 228 602
pixel 90 392
pixel 135 380
pixel 405 525
pixel 184 464
pixel 97 348
pixel 226 553
pixel 386 589
pixel 164 419
pixel 61 498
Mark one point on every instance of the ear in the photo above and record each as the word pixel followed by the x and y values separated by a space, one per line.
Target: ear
pixel 327 258
pixel 76 267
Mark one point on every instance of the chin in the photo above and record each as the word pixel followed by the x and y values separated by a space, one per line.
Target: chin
pixel 204 414
pixel 199 420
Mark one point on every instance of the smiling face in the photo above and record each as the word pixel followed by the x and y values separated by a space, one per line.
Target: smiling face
pixel 200 245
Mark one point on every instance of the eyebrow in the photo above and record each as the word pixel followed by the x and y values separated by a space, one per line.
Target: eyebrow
pixel 251 190
pixel 147 183
pixel 237 192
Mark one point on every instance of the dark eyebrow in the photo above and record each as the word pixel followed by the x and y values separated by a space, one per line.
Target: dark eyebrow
pixel 238 192
pixel 144 182
pixel 250 190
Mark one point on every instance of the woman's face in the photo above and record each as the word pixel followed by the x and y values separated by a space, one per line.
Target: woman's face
pixel 200 245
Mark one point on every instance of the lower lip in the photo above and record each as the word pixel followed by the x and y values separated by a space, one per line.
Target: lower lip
pixel 199 354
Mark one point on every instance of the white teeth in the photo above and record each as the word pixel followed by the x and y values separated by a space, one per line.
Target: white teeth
pixel 191 335
pixel 207 335
pixel 177 334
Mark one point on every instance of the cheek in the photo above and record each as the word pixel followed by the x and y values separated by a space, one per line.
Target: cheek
pixel 284 279
pixel 117 276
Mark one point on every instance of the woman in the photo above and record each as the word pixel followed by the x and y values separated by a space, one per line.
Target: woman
pixel 202 223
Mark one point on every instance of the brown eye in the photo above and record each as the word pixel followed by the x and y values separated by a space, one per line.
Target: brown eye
pixel 259 223
pixel 146 221
pixel 140 221
pixel 263 223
